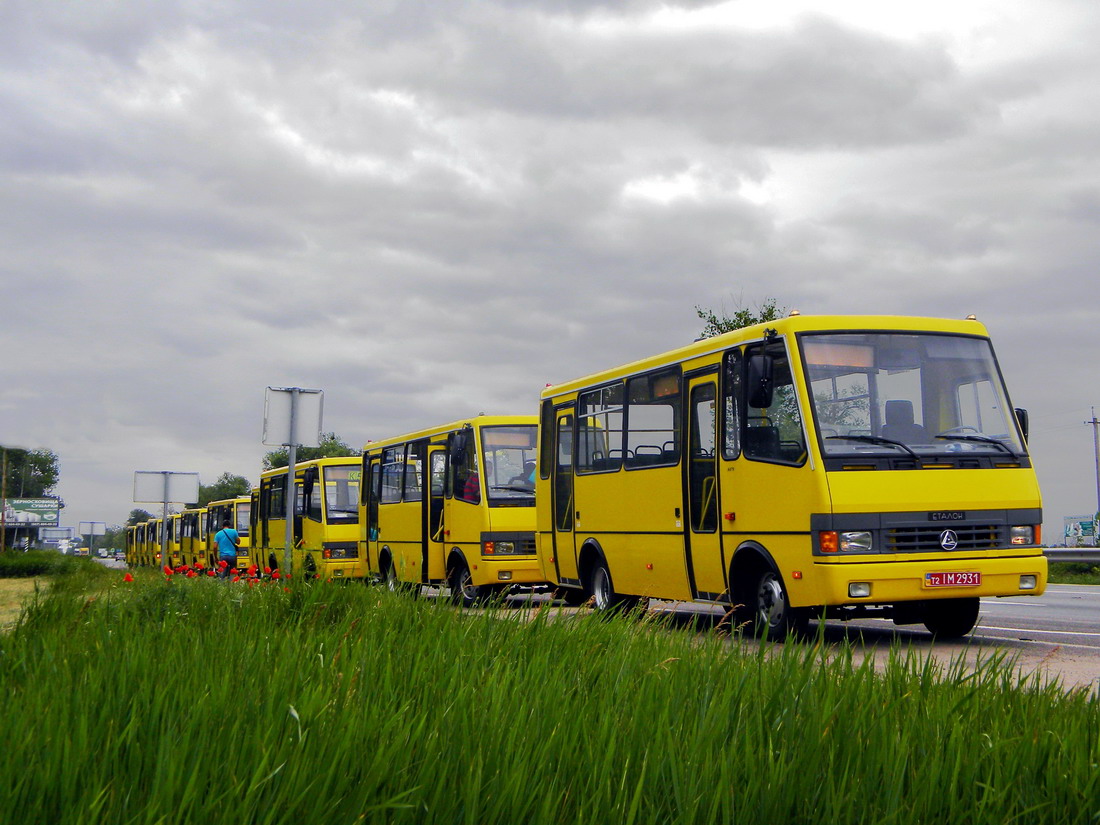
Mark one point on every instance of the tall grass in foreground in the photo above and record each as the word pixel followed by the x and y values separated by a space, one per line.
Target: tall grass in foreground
pixel 202 702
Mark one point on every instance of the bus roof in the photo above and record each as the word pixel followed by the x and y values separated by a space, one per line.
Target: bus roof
pixel 795 323
pixel 442 429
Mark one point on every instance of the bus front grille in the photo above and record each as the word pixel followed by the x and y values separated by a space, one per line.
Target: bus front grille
pixel 932 539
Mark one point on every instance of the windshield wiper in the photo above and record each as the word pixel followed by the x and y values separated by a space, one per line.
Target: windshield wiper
pixel 981 439
pixel 513 488
pixel 875 439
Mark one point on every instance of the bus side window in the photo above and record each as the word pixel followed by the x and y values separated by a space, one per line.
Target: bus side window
pixel 731 405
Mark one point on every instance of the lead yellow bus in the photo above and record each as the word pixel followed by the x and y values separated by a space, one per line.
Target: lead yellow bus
pixel 454 505
pixel 325 532
pixel 810 467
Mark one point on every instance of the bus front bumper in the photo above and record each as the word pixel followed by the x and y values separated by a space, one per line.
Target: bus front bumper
pixel 889 582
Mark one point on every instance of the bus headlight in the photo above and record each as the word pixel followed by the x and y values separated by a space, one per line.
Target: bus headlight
pixel 1028 582
pixel 1022 534
pixel 859 590
pixel 856 541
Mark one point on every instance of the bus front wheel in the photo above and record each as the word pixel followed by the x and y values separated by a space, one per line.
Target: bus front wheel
pixel 463 589
pixel 604 597
pixel 773 617
pixel 951 618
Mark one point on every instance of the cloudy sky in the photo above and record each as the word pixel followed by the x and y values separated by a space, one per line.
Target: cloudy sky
pixel 432 209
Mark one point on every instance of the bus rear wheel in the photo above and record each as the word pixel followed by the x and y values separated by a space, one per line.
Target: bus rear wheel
pixel 951 618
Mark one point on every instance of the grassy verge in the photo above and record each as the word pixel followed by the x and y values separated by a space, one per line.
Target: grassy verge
pixel 1074 573
pixel 201 701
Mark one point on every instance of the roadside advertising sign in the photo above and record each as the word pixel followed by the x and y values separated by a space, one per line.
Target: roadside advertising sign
pixel 30 512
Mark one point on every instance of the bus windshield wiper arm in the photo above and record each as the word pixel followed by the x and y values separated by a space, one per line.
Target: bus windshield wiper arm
pixel 981 439
pixel 515 488
pixel 875 439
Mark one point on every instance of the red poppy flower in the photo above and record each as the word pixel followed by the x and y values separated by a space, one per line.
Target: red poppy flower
pixel 287 589
pixel 167 570
pixel 191 574
pixel 222 564
pixel 236 578
pixel 252 570
pixel 199 565
pixel 267 570
pixel 127 578
pixel 211 573
pixel 251 582
pixel 275 574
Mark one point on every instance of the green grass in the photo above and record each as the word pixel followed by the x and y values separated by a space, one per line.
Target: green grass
pixel 19 564
pixel 1074 573
pixel 201 701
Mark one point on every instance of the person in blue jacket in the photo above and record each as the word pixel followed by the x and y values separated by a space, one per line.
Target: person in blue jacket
pixel 228 539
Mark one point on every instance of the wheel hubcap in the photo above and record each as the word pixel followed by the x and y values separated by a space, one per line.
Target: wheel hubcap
pixel 601 588
pixel 770 601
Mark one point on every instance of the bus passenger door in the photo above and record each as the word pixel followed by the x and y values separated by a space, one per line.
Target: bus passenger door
pixel 370 494
pixel 702 538
pixel 565 551
pixel 435 552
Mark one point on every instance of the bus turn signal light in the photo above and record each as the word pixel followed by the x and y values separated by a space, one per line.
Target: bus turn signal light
pixel 828 541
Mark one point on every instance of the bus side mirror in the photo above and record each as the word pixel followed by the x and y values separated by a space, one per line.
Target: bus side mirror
pixel 760 380
pixel 458 447
pixel 1023 421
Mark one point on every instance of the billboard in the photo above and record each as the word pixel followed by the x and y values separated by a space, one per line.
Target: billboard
pixel 1080 531
pixel 30 512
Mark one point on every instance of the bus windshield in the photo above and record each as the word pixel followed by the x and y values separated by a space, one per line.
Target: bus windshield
pixel 243 511
pixel 909 394
pixel 509 455
pixel 342 493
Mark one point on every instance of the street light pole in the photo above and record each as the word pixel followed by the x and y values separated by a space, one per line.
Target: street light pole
pixel 1096 451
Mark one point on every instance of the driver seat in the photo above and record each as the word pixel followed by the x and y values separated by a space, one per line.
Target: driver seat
pixel 900 426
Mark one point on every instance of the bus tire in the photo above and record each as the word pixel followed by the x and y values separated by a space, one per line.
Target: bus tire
pixel 604 597
pixel 951 618
pixel 773 618
pixel 394 584
pixel 463 589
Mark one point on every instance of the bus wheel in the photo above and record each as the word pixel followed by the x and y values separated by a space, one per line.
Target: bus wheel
pixel 951 618
pixel 605 599
pixel 773 617
pixel 463 589
pixel 389 576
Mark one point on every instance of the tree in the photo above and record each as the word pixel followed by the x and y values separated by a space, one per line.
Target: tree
pixel 332 446
pixel 227 486
pixel 138 516
pixel 767 310
pixel 31 473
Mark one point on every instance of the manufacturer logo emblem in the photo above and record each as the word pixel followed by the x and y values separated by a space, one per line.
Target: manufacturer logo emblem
pixel 949 540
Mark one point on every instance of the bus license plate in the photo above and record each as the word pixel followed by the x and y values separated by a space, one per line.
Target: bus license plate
pixel 967 579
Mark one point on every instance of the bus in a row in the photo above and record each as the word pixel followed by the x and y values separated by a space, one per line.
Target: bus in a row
pixel 190 536
pixel 808 467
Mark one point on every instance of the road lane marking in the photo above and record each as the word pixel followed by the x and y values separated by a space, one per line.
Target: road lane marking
pixel 1036 630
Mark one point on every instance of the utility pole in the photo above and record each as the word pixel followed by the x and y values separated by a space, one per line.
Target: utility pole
pixel 1096 450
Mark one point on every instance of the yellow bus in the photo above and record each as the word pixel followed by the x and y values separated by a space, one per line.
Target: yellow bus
pixel 454 505
pixel 326 524
pixel 153 528
pixel 193 536
pixel 810 467
pixel 238 511
pixel 131 545
pixel 174 540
